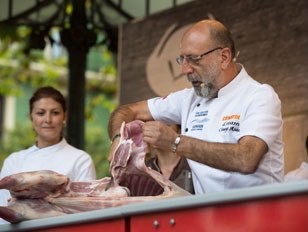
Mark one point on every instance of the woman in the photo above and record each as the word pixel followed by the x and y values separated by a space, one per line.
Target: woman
pixel 50 151
pixel 172 166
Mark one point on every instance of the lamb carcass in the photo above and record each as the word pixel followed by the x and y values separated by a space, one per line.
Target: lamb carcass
pixel 45 193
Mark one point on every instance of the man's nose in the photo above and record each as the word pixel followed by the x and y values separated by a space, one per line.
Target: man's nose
pixel 186 67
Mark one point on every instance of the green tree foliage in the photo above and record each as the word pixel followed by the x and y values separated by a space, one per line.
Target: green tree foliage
pixel 16 140
pixel 21 66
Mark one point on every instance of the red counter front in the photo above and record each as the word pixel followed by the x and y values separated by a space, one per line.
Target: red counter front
pixel 277 207
pixel 276 214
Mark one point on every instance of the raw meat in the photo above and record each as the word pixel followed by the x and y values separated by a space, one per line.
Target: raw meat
pixel 46 193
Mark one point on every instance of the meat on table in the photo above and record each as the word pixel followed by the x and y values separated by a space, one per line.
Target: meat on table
pixel 45 193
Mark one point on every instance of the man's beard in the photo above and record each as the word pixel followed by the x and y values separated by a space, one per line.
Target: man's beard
pixel 206 91
pixel 203 90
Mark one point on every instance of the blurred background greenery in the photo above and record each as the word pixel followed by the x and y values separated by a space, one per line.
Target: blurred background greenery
pixel 22 70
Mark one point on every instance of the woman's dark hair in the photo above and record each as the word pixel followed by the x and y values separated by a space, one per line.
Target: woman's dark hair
pixel 47 92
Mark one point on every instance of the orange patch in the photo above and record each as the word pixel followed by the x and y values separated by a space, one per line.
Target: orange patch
pixel 229 117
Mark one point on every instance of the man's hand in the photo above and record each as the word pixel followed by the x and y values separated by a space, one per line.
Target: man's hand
pixel 159 135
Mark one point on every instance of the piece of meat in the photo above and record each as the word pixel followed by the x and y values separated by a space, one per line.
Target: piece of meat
pixel 36 184
pixel 45 193
pixel 26 209
pixel 128 167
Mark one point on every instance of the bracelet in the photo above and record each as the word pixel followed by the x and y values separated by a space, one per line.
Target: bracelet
pixel 176 143
pixel 115 137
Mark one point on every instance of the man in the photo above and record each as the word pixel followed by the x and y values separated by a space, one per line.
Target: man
pixel 231 124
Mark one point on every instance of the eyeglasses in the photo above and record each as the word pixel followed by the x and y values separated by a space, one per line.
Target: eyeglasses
pixel 194 60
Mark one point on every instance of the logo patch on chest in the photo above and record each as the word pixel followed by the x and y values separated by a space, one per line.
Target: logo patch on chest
pixel 199 120
pixel 230 123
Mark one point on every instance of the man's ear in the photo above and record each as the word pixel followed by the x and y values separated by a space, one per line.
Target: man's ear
pixel 226 56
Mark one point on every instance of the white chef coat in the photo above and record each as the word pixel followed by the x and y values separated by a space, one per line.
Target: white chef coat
pixel 243 107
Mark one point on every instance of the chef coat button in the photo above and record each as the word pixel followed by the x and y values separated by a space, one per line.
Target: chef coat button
pixel 186 129
pixel 198 105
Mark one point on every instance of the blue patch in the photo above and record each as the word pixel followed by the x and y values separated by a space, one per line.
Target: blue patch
pixel 201 113
pixel 197 127
pixel 200 120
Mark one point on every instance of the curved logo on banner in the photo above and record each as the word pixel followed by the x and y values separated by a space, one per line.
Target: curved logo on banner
pixel 164 75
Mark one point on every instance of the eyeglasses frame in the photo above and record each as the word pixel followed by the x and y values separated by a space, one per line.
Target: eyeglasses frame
pixel 194 59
